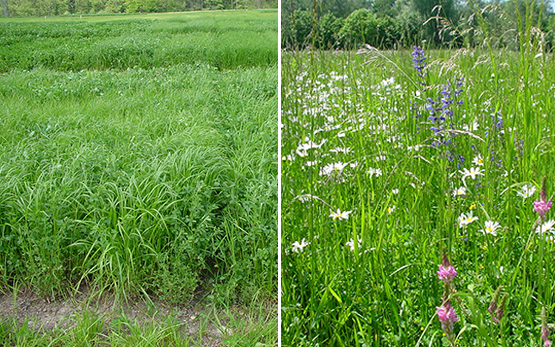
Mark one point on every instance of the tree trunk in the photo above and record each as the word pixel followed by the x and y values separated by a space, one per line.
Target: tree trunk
pixel 6 9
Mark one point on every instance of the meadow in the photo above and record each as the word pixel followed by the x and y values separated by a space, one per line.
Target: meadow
pixel 138 159
pixel 416 189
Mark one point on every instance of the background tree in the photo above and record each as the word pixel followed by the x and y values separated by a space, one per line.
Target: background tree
pixel 438 23
pixel 435 8
pixel 58 7
pixel 384 8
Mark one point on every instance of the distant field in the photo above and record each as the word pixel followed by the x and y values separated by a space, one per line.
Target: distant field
pixel 139 156
pixel 226 14
pixel 222 39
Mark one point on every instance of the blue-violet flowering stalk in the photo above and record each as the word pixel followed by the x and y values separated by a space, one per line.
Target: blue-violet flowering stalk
pixel 418 58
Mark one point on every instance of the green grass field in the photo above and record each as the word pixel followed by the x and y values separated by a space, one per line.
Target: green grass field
pixel 138 156
pixel 224 40
pixel 384 171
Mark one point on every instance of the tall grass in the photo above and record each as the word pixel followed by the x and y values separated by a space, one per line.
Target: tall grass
pixel 361 246
pixel 226 41
pixel 154 174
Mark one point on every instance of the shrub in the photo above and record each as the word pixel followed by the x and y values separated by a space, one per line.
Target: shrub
pixel 302 29
pixel 360 27
pixel 328 29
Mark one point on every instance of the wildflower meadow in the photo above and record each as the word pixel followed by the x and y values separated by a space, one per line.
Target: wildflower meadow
pixel 416 197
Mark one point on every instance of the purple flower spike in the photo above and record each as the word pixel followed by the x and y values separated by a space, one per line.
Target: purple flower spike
pixel 418 59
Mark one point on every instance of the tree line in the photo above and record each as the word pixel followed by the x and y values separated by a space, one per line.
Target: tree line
pixel 388 24
pixel 60 7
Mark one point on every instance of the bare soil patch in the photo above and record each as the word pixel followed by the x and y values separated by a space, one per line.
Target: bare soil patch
pixel 45 315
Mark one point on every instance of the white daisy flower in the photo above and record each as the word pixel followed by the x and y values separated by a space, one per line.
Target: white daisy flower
pixel 288 157
pixel 490 227
pixel 473 172
pixel 459 191
pixel 471 127
pixel 341 150
pixel 546 227
pixel 302 149
pixel 298 247
pixel 465 219
pixel 478 160
pixel 351 243
pixel 330 168
pixel 371 171
pixel 340 215
pixel 387 82
pixel 413 148
pixel 527 191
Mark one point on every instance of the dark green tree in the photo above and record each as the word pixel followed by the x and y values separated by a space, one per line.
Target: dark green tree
pixel 431 12
pixel 385 8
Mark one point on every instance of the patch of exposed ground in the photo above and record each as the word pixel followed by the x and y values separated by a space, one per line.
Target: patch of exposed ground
pixel 45 315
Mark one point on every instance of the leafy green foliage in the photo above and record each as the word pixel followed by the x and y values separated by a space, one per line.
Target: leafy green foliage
pixel 140 180
pixel 386 24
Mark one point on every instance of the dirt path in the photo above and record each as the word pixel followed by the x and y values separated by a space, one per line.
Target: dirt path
pixel 46 315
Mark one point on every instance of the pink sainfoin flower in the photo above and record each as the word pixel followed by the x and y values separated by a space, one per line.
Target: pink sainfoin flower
pixel 545 329
pixel 497 307
pixel 545 336
pixel 542 205
pixel 445 312
pixel 446 274
pixel 446 271
pixel 447 316
pixel 492 309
